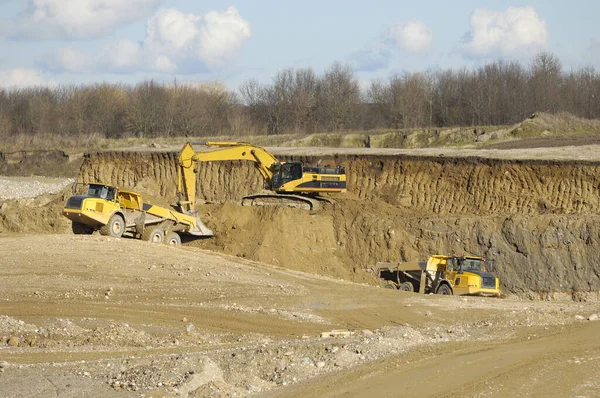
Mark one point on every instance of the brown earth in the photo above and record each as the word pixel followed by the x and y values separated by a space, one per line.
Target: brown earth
pixel 536 219
pixel 241 313
pixel 50 163
pixel 98 317
pixel 549 142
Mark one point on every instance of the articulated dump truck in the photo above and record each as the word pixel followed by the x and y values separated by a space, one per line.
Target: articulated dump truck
pixel 116 212
pixel 440 274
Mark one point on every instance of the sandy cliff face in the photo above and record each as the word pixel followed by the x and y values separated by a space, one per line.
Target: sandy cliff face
pixel 50 163
pixel 537 220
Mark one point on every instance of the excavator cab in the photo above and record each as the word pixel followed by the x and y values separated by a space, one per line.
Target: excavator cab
pixel 285 172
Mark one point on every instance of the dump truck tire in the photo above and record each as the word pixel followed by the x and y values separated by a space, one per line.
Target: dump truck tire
pixel 81 229
pixel 406 287
pixel 153 234
pixel 445 290
pixel 115 227
pixel 173 238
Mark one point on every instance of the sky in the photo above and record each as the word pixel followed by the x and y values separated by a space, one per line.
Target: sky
pixel 54 42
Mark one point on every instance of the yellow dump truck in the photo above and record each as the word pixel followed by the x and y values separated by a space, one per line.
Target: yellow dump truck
pixel 466 275
pixel 115 212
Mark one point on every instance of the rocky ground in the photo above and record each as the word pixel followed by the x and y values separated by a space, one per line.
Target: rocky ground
pixel 97 316
pixel 20 187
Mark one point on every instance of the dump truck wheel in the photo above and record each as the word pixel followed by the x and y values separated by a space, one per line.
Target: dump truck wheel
pixel 154 235
pixel 444 289
pixel 81 229
pixel 115 227
pixel 406 287
pixel 391 285
pixel 173 238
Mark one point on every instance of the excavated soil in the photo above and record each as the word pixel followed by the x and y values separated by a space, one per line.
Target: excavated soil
pixel 49 163
pixel 250 311
pixel 536 220
pixel 550 142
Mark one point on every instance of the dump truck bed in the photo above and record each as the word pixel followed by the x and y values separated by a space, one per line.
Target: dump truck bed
pixel 194 225
pixel 132 203
pixel 406 266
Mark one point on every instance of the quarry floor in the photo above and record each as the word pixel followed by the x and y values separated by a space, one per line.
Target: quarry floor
pixel 98 317
pixel 101 317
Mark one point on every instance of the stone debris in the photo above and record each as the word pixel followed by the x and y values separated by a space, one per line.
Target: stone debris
pixel 19 189
pixel 337 333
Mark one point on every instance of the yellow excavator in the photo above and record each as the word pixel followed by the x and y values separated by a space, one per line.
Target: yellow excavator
pixel 291 183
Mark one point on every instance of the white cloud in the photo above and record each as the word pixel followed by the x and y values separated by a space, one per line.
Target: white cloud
pixel 68 59
pixel 173 29
pixel 409 37
pixel 511 32
pixel 23 77
pixel 121 56
pixel 77 19
pixel 413 36
pixel 221 36
pixel 174 38
pixel 163 64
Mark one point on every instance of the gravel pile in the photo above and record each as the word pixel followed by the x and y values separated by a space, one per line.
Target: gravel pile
pixel 30 188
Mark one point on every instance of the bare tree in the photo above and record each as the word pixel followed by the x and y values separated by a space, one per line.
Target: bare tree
pixel 299 101
pixel 304 100
pixel 545 82
pixel 338 98
pixel 146 109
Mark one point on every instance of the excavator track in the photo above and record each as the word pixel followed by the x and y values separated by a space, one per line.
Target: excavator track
pixel 294 201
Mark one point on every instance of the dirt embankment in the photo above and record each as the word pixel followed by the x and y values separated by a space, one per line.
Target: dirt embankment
pixel 50 163
pixel 537 220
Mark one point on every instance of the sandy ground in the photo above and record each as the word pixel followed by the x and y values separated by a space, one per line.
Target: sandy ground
pixel 584 148
pixel 96 316
pixel 525 152
pixel 567 148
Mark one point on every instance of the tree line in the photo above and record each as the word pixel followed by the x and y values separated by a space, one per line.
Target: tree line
pixel 299 101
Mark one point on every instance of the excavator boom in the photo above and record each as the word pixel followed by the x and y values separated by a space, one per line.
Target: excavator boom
pixel 188 158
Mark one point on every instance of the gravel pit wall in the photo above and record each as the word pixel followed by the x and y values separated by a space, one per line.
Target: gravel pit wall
pixel 537 220
pixel 50 163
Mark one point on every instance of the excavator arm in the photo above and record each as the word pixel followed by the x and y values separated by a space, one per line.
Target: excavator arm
pixel 188 157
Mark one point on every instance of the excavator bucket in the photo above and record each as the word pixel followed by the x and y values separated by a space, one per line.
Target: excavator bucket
pixel 200 229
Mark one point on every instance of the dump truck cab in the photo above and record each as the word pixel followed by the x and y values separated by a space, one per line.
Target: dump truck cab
pixel 102 192
pixel 95 208
pixel 441 274
pixel 470 275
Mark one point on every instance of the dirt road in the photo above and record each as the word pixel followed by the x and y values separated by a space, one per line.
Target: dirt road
pixel 542 362
pixel 97 316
